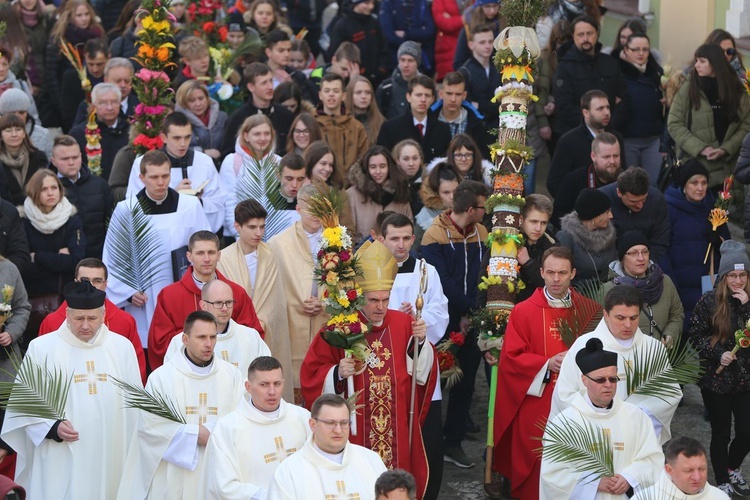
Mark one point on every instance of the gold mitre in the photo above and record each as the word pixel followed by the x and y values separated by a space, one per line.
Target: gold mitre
pixel 378 266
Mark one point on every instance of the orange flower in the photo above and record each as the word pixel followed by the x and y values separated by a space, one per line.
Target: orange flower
pixel 162 54
pixel 145 51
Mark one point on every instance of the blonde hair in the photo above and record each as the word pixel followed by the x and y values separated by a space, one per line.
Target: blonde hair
pixel 34 186
pixel 250 123
pixel 183 93
pixel 193 47
pixel 58 30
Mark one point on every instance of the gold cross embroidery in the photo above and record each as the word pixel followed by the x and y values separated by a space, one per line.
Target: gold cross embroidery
pixel 554 332
pixel 202 410
pixel 225 357
pixel 91 377
pixel 341 494
pixel 280 454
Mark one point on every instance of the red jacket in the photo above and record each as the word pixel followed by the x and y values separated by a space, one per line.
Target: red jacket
pixel 449 24
pixel 178 300
pixel 117 320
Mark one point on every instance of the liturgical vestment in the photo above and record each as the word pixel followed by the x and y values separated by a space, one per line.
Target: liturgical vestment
pixel 665 489
pixel 92 466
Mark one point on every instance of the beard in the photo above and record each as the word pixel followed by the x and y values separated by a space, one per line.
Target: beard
pixel 607 176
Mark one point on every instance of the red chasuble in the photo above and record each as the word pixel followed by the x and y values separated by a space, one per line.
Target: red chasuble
pixel 178 300
pixel 383 423
pixel 531 338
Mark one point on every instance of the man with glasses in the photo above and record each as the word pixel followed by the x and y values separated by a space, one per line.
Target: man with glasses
pixel 328 465
pixel 619 332
pixel 635 449
pixel 179 299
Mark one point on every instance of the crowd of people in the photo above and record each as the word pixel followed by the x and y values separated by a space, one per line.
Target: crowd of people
pixel 191 269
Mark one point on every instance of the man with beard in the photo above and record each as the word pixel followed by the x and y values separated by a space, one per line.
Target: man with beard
pixel 604 168
pixel 573 150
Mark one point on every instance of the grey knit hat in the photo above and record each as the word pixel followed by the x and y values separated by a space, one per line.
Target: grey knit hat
pixel 410 48
pixel 733 258
pixel 14 100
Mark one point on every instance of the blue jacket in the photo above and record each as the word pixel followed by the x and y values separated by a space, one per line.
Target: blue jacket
pixel 644 114
pixel 418 27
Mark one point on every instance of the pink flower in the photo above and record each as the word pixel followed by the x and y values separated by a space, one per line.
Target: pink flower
pixel 149 110
pixel 147 75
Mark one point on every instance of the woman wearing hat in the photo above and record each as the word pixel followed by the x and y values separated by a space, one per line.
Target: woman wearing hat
pixel 588 232
pixel 689 202
pixel 662 313
pixel 717 315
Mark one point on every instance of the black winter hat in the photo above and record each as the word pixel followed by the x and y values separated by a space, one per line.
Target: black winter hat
pixel 628 240
pixel 591 203
pixel 690 168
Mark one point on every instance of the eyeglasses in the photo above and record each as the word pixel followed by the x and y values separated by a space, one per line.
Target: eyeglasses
pixel 730 51
pixel 638 253
pixel 219 304
pixel 331 424
pixel 479 207
pixel 601 380
pixel 463 156
pixel 641 50
pixel 738 276
pixel 301 131
pixel 95 281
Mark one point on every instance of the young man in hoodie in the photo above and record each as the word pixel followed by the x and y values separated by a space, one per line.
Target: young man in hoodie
pixel 391 94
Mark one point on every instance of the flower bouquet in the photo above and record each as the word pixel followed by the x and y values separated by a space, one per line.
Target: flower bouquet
pixel 742 339
pixel 450 369
pixel 6 309
pixel 719 215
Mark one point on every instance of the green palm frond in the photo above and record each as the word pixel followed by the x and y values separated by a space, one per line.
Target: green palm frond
pixel 523 12
pixel 258 180
pixel 37 391
pixel 656 370
pixel 136 253
pixel 328 204
pixel 585 447
pixel 586 314
pixel 157 404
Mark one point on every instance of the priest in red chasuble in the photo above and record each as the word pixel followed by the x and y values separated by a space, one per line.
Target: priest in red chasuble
pixel 530 361
pixel 385 377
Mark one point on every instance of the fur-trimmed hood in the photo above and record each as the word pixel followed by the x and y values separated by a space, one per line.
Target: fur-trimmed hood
pixel 379 194
pixel 430 198
pixel 596 241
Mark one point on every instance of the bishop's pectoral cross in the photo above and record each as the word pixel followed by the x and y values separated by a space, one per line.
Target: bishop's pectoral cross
pixel 202 410
pixel 225 357
pixel 91 377
pixel 280 454
pixel 342 494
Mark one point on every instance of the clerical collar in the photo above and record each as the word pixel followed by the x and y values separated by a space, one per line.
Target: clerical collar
pixel 562 303
pixel 224 331
pixel 184 162
pixel 158 207
pixel 158 202
pixel 598 409
pixel 333 457
pixel 407 266
pixel 270 415
pixel 624 342
pixel 200 284
pixel 203 364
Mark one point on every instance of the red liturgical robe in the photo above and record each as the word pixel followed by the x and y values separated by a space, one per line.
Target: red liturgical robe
pixel 117 320
pixel 178 300
pixel 383 422
pixel 531 338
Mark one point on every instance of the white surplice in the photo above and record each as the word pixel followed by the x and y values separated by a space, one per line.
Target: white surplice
pixel 92 466
pixel 202 170
pixel 637 454
pixel 247 446
pixel 239 346
pixel 665 489
pixel 308 474
pixel 165 460
pixel 173 231
pixel 569 382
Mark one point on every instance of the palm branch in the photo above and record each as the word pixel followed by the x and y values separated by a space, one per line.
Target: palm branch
pixel 37 391
pixel 585 315
pixel 135 253
pixel 656 370
pixel 585 447
pixel 157 404
pixel 258 180
pixel 327 205
pixel 251 46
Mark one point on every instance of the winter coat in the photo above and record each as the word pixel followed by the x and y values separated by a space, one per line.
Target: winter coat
pixel 346 137
pixel 475 126
pixel 592 250
pixel 207 137
pixel 667 312
pixel 690 141
pixel 433 206
pixel 37 37
pixel 487 167
pixel 417 25
pixel 576 74
pixel 16 324
pixel 124 46
pixel 113 139
pixel 568 191
pixel 434 143
pixel 10 189
pixel 644 115
pixel 391 95
pixel 735 378
pixel 364 32
pixel 281 119
pixel 39 136
pixel 449 23
pixel 462 44
pixel 480 88
pixel 688 240
pixel 92 197
pixel 13 243
pixel 367 199
pixel 652 220
pixel 120 174
pixel 13 82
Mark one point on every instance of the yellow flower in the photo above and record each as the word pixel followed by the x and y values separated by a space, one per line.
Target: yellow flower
pixel 343 300
pixel 332 278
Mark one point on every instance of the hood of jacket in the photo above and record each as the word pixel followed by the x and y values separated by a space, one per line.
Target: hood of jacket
pixel 676 198
pixel 594 241
pixel 430 198
pixel 364 183
pixel 435 108
pixel 213 114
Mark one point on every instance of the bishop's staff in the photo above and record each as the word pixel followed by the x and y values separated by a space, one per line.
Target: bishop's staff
pixel 418 304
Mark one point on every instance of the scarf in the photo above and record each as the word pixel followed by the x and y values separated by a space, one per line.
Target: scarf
pixel 19 165
pixel 640 67
pixel 51 222
pixel 30 18
pixel 651 286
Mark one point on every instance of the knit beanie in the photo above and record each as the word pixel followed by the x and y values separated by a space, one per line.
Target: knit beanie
pixel 591 203
pixel 14 100
pixel 628 240
pixel 409 48
pixel 233 22
pixel 690 168
pixel 479 3
pixel 733 258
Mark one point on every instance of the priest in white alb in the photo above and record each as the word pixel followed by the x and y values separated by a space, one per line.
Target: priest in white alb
pixel 328 465
pixel 171 217
pixel 236 344
pixel 165 460
pixel 81 455
pixel 249 444
pixel 619 332
pixel 636 453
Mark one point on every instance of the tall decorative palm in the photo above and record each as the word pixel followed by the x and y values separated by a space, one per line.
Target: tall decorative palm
pixel 258 180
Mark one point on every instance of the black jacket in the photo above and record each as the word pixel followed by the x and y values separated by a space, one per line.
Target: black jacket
pixel 576 74
pixel 644 116
pixel 281 119
pixel 573 151
pixel 10 189
pixel 113 138
pixel 476 127
pixel 434 143
pixel 13 243
pixel 481 89
pixel 575 182
pixel 92 197
pixel 364 32
pixel 50 268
